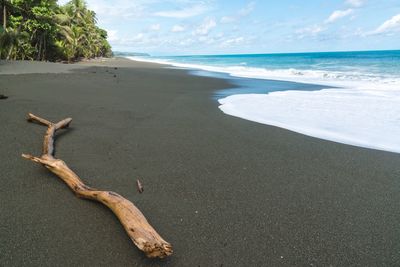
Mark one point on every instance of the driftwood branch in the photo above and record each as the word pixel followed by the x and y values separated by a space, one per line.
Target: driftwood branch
pixel 137 227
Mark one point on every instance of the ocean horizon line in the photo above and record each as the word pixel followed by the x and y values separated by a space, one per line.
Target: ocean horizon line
pixel 255 54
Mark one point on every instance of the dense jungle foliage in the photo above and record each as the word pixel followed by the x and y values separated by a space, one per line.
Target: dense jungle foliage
pixel 44 30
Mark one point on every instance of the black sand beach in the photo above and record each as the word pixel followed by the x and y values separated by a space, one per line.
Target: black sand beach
pixel 224 191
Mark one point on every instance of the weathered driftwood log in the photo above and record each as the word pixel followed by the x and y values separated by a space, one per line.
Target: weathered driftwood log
pixel 139 230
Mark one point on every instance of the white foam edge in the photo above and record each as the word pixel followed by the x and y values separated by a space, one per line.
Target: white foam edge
pixel 345 116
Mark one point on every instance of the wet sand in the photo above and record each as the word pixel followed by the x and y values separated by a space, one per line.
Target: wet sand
pixel 224 191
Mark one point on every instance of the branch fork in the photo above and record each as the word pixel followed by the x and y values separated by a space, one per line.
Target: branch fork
pixel 136 226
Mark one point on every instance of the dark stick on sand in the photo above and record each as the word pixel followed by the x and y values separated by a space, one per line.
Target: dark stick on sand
pixel 139 186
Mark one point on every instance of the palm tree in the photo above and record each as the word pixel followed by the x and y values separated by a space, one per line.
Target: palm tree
pixel 68 32
pixel 7 41
pixel 4 11
pixel 77 27
pixel 12 44
pixel 41 29
pixel 77 10
pixel 90 33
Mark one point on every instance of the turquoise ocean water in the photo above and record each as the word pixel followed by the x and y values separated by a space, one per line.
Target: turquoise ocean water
pixel 365 66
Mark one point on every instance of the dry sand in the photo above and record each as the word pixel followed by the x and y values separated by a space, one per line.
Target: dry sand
pixel 224 191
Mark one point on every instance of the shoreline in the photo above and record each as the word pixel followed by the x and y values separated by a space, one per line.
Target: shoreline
pixel 310 109
pixel 211 181
pixel 288 74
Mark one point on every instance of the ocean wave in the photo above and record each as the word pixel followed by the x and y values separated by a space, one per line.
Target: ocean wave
pixel 345 79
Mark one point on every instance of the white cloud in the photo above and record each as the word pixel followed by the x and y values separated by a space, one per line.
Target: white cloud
pixel 204 28
pixel 245 11
pixel 186 42
pixel 338 14
pixel 184 12
pixel 177 28
pixel 312 31
pixel 233 41
pixel 206 39
pixel 355 3
pixel 139 40
pixel 389 26
pixel 227 19
pixel 155 27
pixel 211 39
pixel 112 36
pixel 108 11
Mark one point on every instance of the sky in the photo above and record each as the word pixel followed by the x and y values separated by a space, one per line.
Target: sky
pixel 189 27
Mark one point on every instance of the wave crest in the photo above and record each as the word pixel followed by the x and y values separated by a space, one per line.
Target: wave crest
pixel 345 79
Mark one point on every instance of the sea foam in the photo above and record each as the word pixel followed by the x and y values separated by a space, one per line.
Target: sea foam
pixel 365 118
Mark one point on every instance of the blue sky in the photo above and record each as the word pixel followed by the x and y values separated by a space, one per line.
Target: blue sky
pixel 182 27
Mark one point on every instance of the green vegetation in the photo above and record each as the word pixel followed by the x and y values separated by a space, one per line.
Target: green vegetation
pixel 43 30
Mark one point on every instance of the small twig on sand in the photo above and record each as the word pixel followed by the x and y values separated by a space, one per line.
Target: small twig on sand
pixel 139 185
